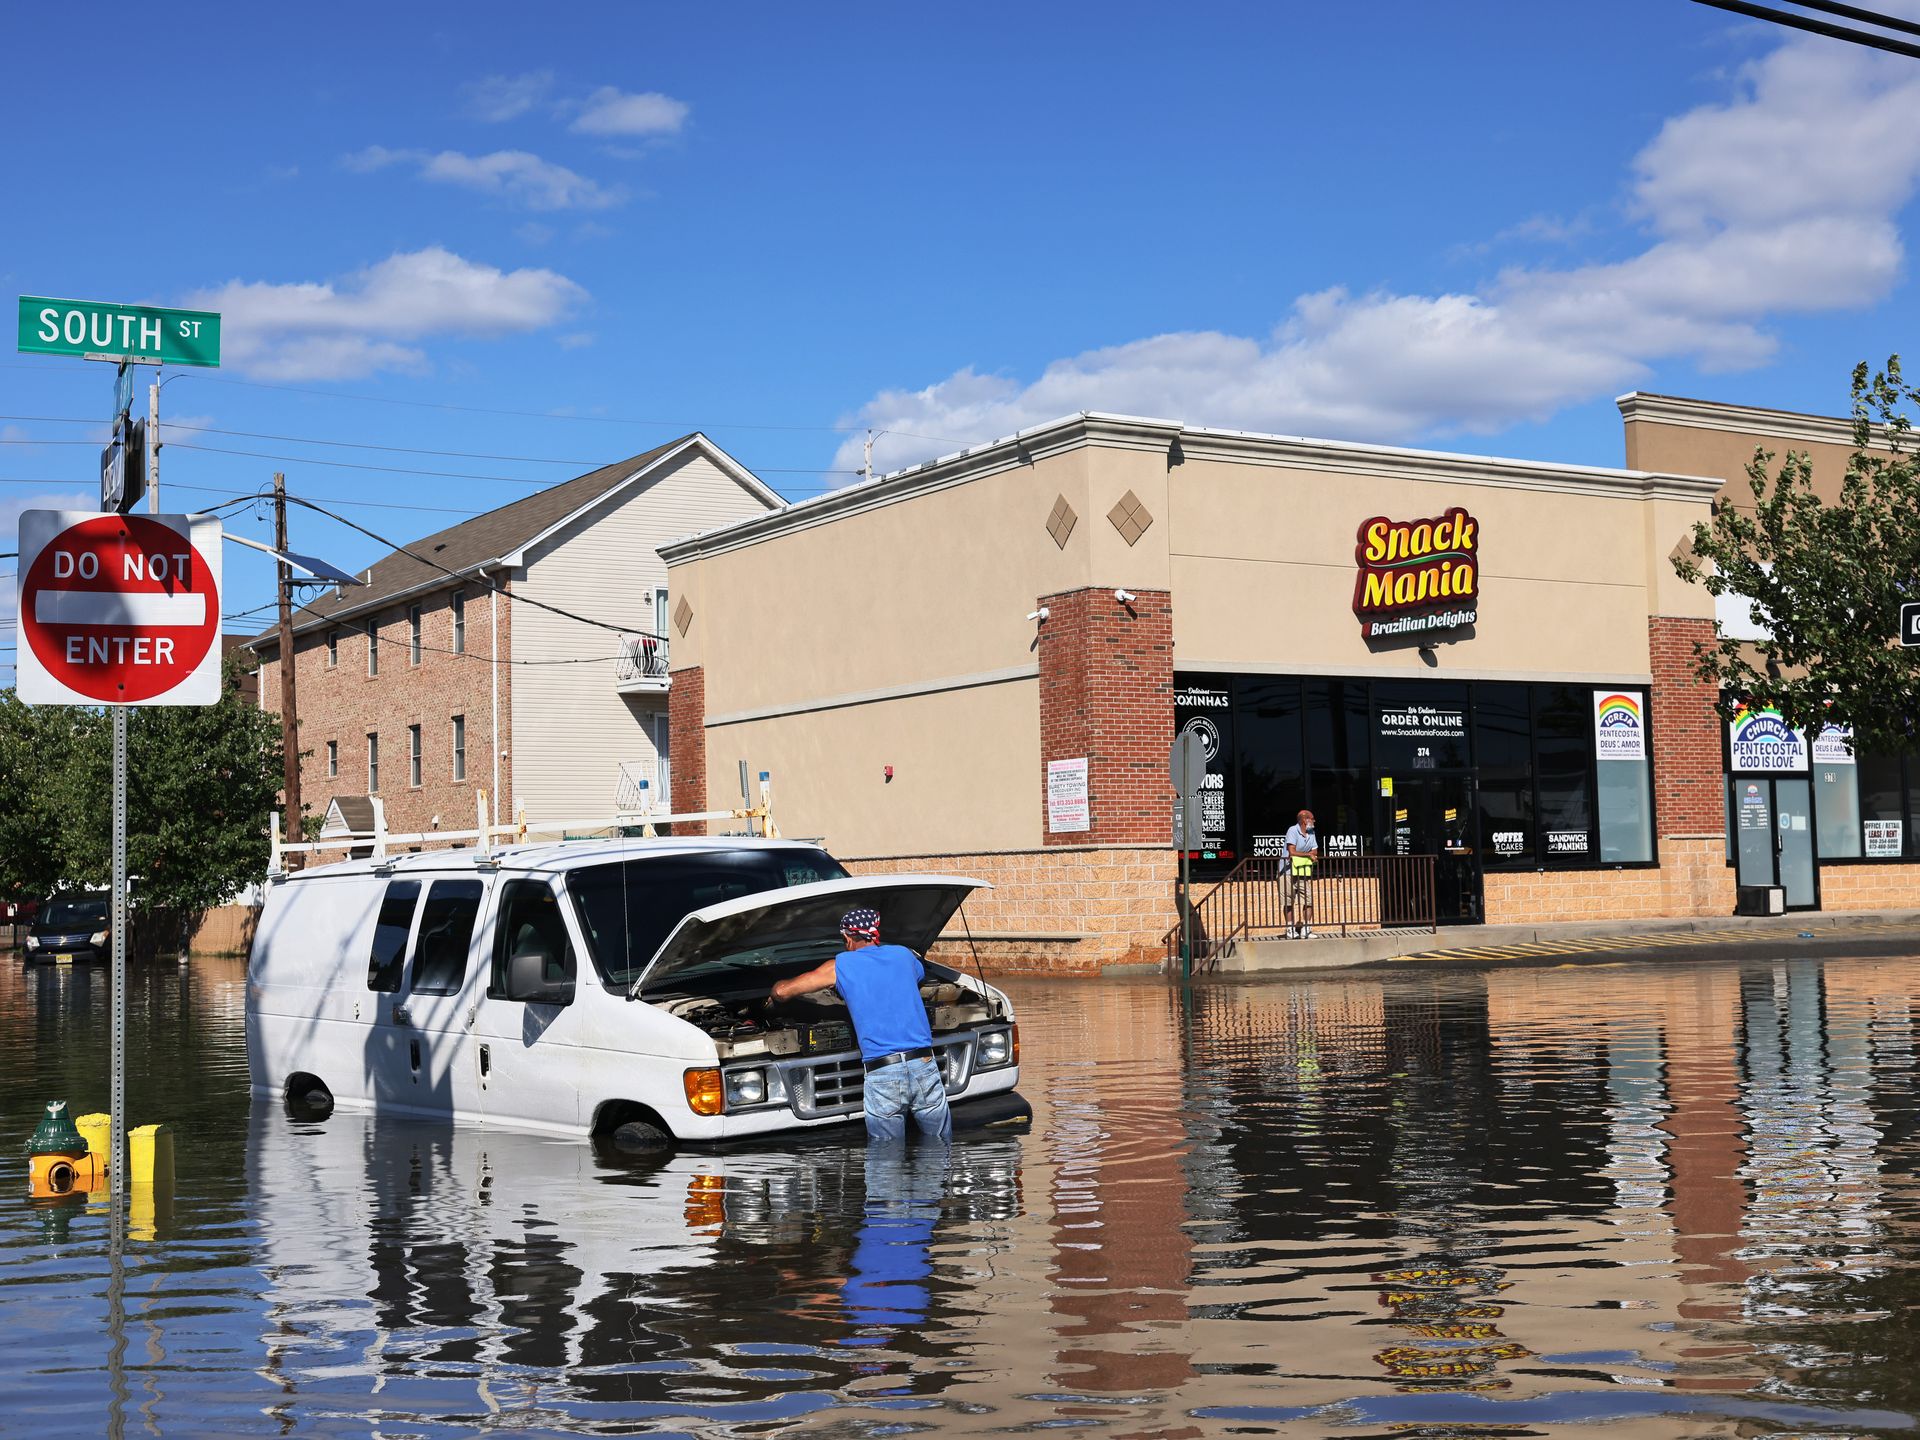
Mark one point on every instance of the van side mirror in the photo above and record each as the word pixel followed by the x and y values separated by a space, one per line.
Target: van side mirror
pixel 527 980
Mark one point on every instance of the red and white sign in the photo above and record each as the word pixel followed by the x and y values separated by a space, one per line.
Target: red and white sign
pixel 118 609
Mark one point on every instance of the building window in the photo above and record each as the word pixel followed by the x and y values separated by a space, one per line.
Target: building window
pixel 660 611
pixel 413 756
pixel 459 747
pixel 1836 807
pixel 459 607
pixel 373 647
pixel 413 635
pixel 373 764
pixel 333 649
pixel 333 759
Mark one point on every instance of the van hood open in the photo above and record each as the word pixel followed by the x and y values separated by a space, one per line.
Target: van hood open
pixel 802 923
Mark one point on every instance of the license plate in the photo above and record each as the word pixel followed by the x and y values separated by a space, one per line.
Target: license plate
pixel 63 957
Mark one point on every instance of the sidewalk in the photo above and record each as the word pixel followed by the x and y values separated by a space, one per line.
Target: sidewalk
pixel 1512 942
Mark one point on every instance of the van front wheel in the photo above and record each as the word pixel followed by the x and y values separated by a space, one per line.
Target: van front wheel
pixel 638 1137
pixel 631 1128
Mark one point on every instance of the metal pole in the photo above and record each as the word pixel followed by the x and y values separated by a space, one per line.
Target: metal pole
pixel 117 1136
pixel 153 447
pixel 289 715
pixel 1186 914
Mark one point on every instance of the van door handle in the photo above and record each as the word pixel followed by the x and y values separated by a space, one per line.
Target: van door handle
pixel 399 1013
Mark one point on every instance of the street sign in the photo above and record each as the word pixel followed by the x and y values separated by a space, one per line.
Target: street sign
pixel 1910 623
pixel 102 330
pixel 118 609
pixel 1188 769
pixel 123 468
pixel 122 391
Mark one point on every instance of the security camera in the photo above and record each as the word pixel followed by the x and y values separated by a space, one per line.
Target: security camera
pixel 1125 597
pixel 1039 614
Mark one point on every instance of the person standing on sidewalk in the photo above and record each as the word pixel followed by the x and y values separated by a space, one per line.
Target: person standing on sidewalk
pixel 1303 848
pixel 881 985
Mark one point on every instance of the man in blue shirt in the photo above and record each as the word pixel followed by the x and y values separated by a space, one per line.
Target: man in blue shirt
pixel 881 986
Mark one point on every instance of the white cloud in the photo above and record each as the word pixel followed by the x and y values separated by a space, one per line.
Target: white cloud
pixel 504 97
pixel 1783 199
pixel 516 175
pixel 608 111
pixel 375 319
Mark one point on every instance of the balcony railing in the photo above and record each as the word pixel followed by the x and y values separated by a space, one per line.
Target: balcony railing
pixel 1347 893
pixel 646 787
pixel 642 664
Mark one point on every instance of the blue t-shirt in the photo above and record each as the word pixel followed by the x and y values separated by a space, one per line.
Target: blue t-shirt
pixel 881 985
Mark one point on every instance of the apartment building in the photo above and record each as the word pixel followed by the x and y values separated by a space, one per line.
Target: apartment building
pixel 466 662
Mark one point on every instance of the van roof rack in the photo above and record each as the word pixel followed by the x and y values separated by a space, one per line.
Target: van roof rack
pixel 381 844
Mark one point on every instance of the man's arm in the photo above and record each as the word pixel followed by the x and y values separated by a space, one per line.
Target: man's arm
pixel 818 978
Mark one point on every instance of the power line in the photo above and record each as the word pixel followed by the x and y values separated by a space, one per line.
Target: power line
pixel 368 445
pixel 466 578
pixel 1821 27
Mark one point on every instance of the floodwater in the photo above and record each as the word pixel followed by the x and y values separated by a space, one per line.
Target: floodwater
pixel 1676 1199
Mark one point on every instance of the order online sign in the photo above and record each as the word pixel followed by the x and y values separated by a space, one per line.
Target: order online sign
pixel 118 609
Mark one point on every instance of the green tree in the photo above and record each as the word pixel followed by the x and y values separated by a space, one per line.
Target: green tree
pixel 38 750
pixel 1825 578
pixel 201 781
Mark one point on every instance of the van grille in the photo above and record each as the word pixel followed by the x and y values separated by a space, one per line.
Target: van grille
pixel 833 1087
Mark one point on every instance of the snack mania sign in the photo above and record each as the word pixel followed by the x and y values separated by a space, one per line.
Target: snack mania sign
pixel 1417 575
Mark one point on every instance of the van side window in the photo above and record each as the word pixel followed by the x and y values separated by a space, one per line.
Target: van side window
pixel 530 924
pixel 446 932
pixel 390 935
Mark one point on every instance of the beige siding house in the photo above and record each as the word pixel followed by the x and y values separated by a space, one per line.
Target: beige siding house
pixel 450 671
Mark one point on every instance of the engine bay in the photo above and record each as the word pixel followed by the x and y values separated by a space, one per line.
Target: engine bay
pixel 817 1024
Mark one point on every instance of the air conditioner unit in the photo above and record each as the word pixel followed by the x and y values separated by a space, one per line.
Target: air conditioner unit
pixel 1759 900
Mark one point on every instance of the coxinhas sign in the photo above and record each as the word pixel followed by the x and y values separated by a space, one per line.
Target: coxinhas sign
pixel 1417 575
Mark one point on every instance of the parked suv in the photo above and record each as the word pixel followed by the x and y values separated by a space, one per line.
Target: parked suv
pixel 71 928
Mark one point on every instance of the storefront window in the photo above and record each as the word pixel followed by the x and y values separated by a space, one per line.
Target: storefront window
pixel 1884 821
pixel 1268 722
pixel 1342 804
pixel 1626 819
pixel 1503 756
pixel 1836 810
pixel 1563 770
pixel 1419 727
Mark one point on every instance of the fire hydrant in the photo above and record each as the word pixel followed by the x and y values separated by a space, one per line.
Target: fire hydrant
pixel 59 1164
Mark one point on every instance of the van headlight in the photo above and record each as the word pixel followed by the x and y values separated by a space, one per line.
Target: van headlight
pixel 746 1087
pixel 33 942
pixel 996 1049
pixel 99 937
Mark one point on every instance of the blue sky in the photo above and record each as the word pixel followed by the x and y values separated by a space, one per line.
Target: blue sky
pixel 1464 225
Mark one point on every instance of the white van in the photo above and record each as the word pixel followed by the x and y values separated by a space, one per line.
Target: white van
pixel 605 987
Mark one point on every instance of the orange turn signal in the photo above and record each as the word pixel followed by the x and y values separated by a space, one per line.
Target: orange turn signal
pixel 705 1095
pixel 1016 1044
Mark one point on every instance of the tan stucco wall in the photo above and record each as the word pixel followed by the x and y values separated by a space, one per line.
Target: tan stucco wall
pixel 966 771
pixel 1263 573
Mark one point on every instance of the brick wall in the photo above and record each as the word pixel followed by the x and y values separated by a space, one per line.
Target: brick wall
pixel 340 702
pixel 1869 887
pixel 1057 911
pixel 1106 693
pixel 1688 782
pixel 687 744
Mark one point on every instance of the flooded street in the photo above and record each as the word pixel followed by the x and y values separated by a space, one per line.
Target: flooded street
pixel 1674 1198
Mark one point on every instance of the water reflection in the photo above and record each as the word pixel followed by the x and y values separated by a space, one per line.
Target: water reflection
pixel 1675 1199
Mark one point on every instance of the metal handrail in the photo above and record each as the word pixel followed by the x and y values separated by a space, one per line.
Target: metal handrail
pixel 642 657
pixel 1349 893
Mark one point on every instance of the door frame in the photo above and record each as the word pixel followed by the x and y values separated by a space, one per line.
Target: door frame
pixel 1470 828
pixel 1773 829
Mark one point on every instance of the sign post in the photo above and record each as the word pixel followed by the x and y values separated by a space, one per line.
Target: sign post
pixel 1188 767
pixel 118 610
pixel 1910 623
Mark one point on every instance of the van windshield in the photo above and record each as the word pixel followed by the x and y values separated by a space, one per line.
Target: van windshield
pixel 73 915
pixel 629 907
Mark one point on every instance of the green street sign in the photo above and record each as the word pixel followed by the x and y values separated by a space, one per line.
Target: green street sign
pixel 101 330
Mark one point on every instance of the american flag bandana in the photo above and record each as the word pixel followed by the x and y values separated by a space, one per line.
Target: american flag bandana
pixel 863 923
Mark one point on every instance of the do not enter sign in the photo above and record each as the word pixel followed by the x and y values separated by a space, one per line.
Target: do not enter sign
pixel 118 609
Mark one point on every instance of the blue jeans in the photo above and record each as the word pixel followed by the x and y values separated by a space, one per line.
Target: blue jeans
pixel 910 1087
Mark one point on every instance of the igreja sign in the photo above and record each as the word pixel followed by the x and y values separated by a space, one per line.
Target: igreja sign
pixel 1417 575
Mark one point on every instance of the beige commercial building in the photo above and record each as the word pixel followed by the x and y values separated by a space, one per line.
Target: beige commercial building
pixel 979 664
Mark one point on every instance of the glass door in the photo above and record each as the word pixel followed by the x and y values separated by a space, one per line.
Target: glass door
pixel 1793 817
pixel 1773 838
pixel 1432 815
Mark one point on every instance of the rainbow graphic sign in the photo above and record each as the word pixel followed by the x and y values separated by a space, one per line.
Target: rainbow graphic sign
pixel 1619 726
pixel 1761 741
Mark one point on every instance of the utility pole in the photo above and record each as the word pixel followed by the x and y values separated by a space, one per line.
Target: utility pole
pixel 289 723
pixel 153 446
pixel 866 464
